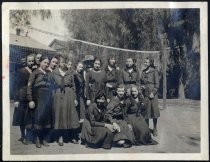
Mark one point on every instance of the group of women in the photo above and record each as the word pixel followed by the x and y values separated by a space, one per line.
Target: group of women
pixel 102 107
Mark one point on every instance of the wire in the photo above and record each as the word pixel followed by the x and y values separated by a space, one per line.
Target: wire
pixel 90 43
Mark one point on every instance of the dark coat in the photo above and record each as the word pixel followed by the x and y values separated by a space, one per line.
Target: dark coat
pixel 95 81
pixel 128 78
pixel 93 129
pixel 113 78
pixel 150 79
pixel 38 90
pixel 64 96
pixel 80 94
pixel 116 113
pixel 20 89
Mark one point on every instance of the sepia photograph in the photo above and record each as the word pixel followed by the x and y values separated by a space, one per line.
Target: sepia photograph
pixel 105 80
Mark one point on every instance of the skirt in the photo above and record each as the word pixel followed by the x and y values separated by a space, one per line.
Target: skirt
pixel 125 133
pixel 152 110
pixel 19 114
pixel 140 128
pixel 66 116
pixel 96 135
pixel 41 116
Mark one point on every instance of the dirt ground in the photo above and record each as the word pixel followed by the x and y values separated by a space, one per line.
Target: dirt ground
pixel 178 132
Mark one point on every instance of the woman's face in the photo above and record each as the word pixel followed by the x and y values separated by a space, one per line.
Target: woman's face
pixel 69 65
pixel 120 92
pixel 134 91
pixel 146 63
pixel 38 56
pixel 80 67
pixel 129 62
pixel 30 61
pixel 53 63
pixel 44 64
pixel 101 100
pixel 62 63
pixel 112 61
pixel 97 65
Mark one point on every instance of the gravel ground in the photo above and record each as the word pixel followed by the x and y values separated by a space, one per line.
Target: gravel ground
pixel 178 132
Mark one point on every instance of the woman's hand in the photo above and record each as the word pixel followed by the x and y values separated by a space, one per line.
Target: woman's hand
pixel 110 127
pixel 16 104
pixel 88 102
pixel 31 105
pixel 75 102
pixel 130 127
pixel 116 127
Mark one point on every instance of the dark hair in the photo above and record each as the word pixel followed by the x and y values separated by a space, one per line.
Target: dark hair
pixel 100 94
pixel 43 58
pixel 30 55
pixel 151 61
pixel 66 58
pixel 97 59
pixel 57 57
pixel 134 63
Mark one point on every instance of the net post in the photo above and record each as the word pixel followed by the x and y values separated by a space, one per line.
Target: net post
pixel 165 50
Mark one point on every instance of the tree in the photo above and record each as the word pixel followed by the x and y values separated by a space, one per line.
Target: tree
pixel 22 18
pixel 140 29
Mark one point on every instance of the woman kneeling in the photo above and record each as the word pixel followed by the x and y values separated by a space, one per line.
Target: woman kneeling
pixel 95 132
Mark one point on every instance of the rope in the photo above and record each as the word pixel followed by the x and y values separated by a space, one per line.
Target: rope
pixel 90 43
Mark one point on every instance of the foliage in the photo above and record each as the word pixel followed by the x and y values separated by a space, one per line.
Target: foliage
pixel 22 18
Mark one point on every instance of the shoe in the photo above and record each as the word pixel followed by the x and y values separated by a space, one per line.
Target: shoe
pixel 38 145
pixel 25 142
pixel 152 142
pixel 45 143
pixel 74 141
pixel 21 139
pixel 60 141
pixel 127 145
pixel 155 133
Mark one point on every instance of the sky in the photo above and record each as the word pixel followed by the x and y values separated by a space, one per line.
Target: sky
pixel 55 25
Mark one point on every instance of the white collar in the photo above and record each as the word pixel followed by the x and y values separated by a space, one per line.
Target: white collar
pixel 62 72
pixel 110 68
pixel 42 70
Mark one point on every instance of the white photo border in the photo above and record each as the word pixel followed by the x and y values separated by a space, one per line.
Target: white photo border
pixel 203 155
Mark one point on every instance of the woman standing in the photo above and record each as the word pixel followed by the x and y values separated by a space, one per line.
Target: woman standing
pixel 80 86
pixel 150 82
pixel 130 75
pixel 39 95
pixel 112 77
pixel 135 110
pixel 21 101
pixel 95 80
pixel 95 131
pixel 64 101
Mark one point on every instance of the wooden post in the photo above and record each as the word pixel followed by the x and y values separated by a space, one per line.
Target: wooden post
pixel 165 50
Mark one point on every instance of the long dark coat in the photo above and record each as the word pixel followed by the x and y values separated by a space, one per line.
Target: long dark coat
pixel 20 96
pixel 150 80
pixel 93 129
pixel 129 78
pixel 112 77
pixel 64 96
pixel 39 91
pixel 95 81
pixel 140 127
pixel 80 94
pixel 116 113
